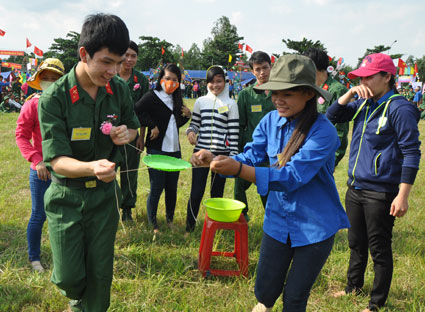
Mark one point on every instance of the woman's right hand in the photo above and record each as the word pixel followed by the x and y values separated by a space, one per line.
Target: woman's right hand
pixel 154 133
pixel 191 136
pixel 202 158
pixel 42 172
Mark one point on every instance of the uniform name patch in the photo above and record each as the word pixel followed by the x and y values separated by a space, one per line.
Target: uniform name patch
pixel 80 134
pixel 256 108
pixel 223 109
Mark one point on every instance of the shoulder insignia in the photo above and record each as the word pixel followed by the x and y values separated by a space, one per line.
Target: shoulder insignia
pixel 108 88
pixel 135 79
pixel 74 94
pixel 325 87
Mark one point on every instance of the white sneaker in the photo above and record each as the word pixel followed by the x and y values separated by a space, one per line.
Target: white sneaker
pixel 36 266
pixel 261 308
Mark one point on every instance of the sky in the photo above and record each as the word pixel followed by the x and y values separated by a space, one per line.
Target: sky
pixel 346 28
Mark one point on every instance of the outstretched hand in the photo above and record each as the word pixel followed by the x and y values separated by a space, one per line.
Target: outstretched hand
pixel 202 158
pixel 225 165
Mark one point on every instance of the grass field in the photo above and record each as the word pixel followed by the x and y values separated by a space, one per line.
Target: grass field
pixel 161 274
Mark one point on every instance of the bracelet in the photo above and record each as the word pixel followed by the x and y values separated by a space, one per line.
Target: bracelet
pixel 240 170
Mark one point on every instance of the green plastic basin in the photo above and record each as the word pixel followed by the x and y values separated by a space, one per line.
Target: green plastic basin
pixel 223 209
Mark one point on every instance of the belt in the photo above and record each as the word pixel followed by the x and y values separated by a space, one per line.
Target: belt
pixel 77 183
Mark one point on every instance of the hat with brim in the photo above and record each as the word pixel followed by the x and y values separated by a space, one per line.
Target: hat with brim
pixel 51 64
pixel 291 71
pixel 373 64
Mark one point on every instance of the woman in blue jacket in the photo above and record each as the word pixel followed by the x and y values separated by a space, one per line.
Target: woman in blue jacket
pixel 384 159
pixel 303 210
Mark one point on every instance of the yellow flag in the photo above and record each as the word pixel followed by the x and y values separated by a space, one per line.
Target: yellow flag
pixel 230 58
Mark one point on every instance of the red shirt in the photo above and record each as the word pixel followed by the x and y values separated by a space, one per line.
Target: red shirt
pixel 28 128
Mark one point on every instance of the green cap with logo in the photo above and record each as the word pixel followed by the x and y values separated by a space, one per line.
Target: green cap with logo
pixel 293 70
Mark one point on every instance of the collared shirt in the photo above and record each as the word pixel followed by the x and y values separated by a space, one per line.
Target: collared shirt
pixel 138 85
pixel 70 120
pixel 303 202
pixel 252 105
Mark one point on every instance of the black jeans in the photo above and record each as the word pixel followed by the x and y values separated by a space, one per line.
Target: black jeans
pixel 305 264
pixel 159 181
pixel 371 228
pixel 199 181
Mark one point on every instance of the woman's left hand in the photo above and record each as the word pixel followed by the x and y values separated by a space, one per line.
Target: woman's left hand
pixel 399 206
pixel 225 165
pixel 186 111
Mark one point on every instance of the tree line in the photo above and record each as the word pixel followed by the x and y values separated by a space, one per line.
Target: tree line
pixel 215 49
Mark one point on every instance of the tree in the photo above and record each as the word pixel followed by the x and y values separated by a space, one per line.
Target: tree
pixel 65 50
pixel 224 41
pixel 421 68
pixel 193 58
pixel 378 49
pixel 150 53
pixel 301 46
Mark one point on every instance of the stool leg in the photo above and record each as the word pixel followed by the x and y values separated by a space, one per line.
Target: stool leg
pixel 206 252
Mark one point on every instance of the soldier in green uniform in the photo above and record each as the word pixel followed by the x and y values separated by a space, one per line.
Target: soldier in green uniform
pixel 253 105
pixel 83 117
pixel 138 85
pixel 326 82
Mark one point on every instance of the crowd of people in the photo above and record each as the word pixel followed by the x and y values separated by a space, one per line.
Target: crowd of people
pixel 285 134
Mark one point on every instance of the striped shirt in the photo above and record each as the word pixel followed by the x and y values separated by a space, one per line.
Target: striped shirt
pixel 216 121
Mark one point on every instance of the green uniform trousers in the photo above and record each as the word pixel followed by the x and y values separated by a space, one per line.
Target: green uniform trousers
pixel 82 227
pixel 128 180
pixel 241 186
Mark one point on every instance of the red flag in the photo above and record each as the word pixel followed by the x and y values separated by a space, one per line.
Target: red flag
pixel 330 59
pixel 38 52
pixel 273 59
pixel 28 43
pixel 162 50
pixel 240 46
pixel 182 53
pixel 416 70
pixel 2 32
pixel 248 48
pixel 401 63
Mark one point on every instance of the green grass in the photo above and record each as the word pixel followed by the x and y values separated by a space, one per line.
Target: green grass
pixel 161 274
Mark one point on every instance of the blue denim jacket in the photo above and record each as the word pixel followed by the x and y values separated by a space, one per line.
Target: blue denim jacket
pixel 303 201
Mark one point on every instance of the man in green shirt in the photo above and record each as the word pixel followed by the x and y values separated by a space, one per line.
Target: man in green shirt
pixel 253 105
pixel 326 82
pixel 83 117
pixel 138 85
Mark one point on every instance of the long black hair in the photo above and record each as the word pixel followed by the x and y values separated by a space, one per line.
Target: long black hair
pixel 177 94
pixel 307 118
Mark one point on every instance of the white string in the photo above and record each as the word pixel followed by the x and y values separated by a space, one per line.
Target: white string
pixel 118 204
pixel 126 165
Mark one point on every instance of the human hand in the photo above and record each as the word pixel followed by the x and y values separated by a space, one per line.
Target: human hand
pixel 42 172
pixel 140 143
pixel 191 136
pixel 225 165
pixel 362 91
pixel 154 133
pixel 104 170
pixel 399 206
pixel 201 158
pixel 186 111
pixel 120 135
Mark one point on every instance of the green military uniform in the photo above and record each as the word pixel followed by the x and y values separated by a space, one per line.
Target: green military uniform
pixel 337 90
pixel 82 213
pixel 138 85
pixel 253 105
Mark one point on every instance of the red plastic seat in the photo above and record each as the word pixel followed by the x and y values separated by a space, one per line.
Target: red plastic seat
pixel 240 252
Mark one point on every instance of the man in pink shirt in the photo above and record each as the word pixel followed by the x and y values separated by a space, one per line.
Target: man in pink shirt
pixel 28 139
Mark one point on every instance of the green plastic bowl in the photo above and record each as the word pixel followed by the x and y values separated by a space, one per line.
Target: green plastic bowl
pixel 223 209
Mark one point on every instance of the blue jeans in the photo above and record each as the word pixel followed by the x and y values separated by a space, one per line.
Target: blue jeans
pixel 159 181
pixel 272 270
pixel 35 225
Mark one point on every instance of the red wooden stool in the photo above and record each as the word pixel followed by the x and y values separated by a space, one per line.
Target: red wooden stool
pixel 241 246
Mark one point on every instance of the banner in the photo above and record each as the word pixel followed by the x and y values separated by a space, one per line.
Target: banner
pixel 11 65
pixel 7 52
